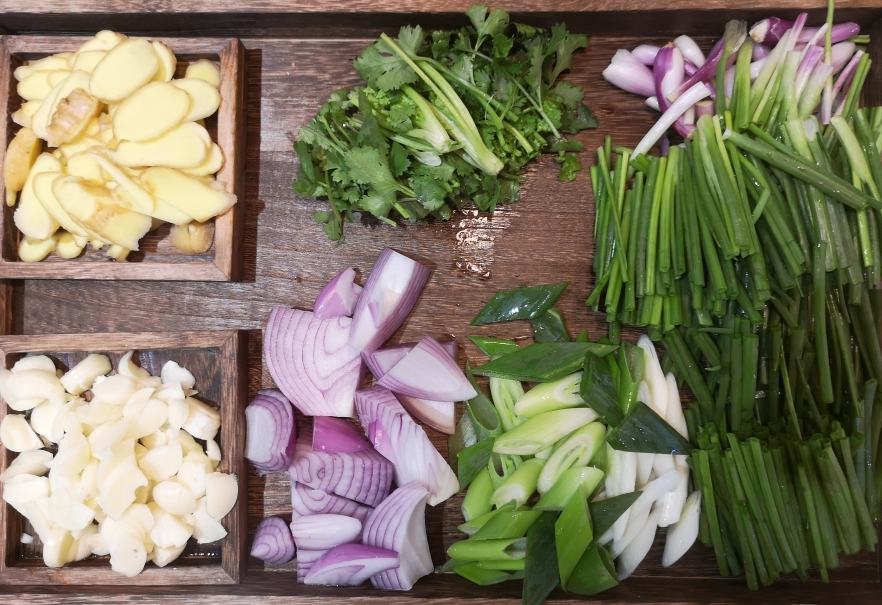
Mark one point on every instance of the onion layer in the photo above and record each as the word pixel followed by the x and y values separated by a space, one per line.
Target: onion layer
pixel 382 360
pixel 351 565
pixel 339 297
pixel 322 532
pixel 399 524
pixel 414 456
pixel 389 294
pixel 311 361
pixel 269 425
pixel 336 436
pixel 440 415
pixel 305 560
pixel 306 501
pixel 273 542
pixel 363 476
pixel 428 372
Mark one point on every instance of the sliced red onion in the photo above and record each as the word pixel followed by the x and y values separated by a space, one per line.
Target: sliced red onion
pixel 338 297
pixel 336 436
pixel 305 560
pixel 847 74
pixel 350 565
pixel 429 372
pixel 689 68
pixel 811 58
pixel 652 103
pixel 440 415
pixel 363 476
pixel 323 532
pixel 630 75
pixel 273 542
pixel 399 524
pixel 703 108
pixel 645 53
pixel 769 31
pixel 690 50
pixel 306 501
pixel 382 360
pixel 736 33
pixel 389 294
pixel 415 458
pixel 311 361
pixel 269 430
pixel 760 51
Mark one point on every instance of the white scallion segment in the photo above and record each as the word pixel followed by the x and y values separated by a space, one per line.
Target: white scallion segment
pixel 654 377
pixel 577 450
pixel 678 108
pixel 681 536
pixel 637 550
pixel 671 504
pixel 652 492
pixel 520 485
pixel 691 51
pixel 621 479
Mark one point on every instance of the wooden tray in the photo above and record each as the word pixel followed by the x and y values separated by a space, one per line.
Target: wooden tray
pixel 217 361
pixel 298 52
pixel 157 259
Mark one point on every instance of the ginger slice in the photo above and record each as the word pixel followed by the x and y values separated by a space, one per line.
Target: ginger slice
pixel 72 116
pixel 192 238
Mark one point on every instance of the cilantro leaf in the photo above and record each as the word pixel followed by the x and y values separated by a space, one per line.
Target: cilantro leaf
pixel 332 227
pixel 487 25
pixel 527 30
pixel 376 203
pixel 487 199
pixel 411 39
pixel 369 134
pixel 573 122
pixel 570 95
pixel 368 167
pixel 569 166
pixel 383 69
pixel 564 145
pixel 398 159
pixel 440 43
pixel 429 191
pixel 535 58
pixel 502 45
pixel 564 53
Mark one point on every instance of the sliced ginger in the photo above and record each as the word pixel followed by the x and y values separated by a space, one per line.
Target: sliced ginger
pixel 128 150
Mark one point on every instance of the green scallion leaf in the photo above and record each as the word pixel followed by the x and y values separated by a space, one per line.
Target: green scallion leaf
pixel 573 534
pixel 513 524
pixel 543 362
pixel 604 513
pixel 472 460
pixel 541 573
pixel 644 431
pixel 523 303
pixel 599 390
pixel 495 347
pixel 550 327
pixel 594 573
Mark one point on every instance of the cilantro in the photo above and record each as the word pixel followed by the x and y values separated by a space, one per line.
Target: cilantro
pixel 569 166
pixel 446 118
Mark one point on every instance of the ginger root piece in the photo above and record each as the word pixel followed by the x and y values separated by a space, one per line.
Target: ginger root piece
pixel 23 151
pixel 72 116
pixel 192 238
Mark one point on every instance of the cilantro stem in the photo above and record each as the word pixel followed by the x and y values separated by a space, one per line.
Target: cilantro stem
pixel 538 108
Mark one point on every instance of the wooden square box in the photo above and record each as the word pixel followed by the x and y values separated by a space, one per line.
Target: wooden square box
pixel 157 259
pixel 218 362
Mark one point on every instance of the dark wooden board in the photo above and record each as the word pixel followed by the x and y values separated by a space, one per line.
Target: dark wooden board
pixel 543 238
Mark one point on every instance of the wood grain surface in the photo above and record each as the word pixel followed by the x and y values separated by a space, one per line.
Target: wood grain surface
pixel 543 238
pixel 157 259
pixel 217 359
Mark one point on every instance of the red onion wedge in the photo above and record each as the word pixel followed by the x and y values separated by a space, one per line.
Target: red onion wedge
pixel 428 372
pixel 273 542
pixel 311 361
pixel 413 455
pixel 306 501
pixel 399 524
pixel 770 31
pixel 339 297
pixel 382 360
pixel 440 415
pixel 389 294
pixel 736 32
pixel 269 428
pixel 323 532
pixel 645 53
pixel 363 476
pixel 351 565
pixel 336 436
pixel 305 560
pixel 629 74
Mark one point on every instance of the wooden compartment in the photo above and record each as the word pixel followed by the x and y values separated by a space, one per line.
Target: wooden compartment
pixel 157 259
pixel 298 52
pixel 217 361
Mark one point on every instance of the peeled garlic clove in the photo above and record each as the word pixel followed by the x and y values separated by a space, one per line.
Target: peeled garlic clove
pixel 172 372
pixel 203 421
pixel 163 556
pixel 154 440
pixel 67 512
pixel 118 490
pixel 32 462
pixel 169 531
pixel 193 471
pixel 205 528
pixel 81 377
pixel 43 417
pixel 57 547
pixel 87 488
pixel 30 384
pixel 212 450
pixel 24 489
pixel 109 434
pixel 169 391
pixel 34 362
pixel 16 434
pixel 221 493
pixel 128 555
pixel 151 419
pixel 73 455
pixel 114 390
pixel 163 462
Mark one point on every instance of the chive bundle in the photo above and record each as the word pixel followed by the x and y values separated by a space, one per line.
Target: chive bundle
pixel 752 251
